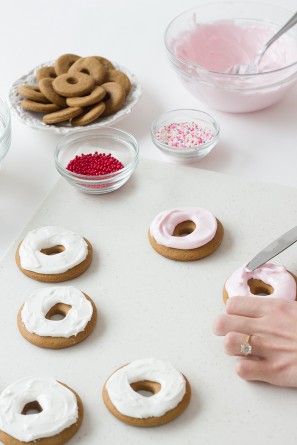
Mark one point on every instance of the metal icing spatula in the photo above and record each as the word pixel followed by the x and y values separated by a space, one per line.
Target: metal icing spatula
pixel 278 246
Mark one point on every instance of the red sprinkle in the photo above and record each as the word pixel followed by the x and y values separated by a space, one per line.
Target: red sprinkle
pixel 94 164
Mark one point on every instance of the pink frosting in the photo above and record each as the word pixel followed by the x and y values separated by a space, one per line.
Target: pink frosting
pixel 220 45
pixel 277 277
pixel 163 226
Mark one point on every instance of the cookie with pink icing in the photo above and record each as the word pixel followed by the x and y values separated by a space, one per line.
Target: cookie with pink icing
pixel 268 280
pixel 185 233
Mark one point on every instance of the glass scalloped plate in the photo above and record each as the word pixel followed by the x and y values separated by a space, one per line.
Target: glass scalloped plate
pixel 34 120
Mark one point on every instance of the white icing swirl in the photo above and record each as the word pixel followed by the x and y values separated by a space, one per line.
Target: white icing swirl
pixel 58 403
pixel 42 300
pixel 282 282
pixel 31 257
pixel 131 403
pixel 163 225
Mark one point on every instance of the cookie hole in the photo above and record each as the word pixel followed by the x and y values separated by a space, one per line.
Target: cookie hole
pixel 72 80
pixel 85 70
pixel 146 388
pixel 32 408
pixel 53 250
pixel 258 287
pixel 58 312
pixel 52 75
pixel 184 228
pixel 106 97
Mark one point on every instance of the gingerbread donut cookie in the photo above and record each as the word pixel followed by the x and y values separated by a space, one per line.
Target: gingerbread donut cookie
pixel 59 412
pixel 90 116
pixel 46 72
pixel 91 66
pixel 185 234
pixel 268 280
pixel 114 99
pixel 32 92
pixel 63 115
pixel 73 84
pixel 38 107
pixel 171 393
pixel 64 62
pixel 46 87
pixel 52 254
pixel 119 77
pixel 105 62
pixel 94 97
pixel 36 324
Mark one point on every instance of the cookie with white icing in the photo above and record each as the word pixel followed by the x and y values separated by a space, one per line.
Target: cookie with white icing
pixel 58 412
pixel 36 320
pixel 171 393
pixel 52 254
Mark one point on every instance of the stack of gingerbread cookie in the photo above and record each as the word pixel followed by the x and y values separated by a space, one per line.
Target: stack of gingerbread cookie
pixel 76 89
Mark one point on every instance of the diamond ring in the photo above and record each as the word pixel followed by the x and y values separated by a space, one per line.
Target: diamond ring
pixel 246 348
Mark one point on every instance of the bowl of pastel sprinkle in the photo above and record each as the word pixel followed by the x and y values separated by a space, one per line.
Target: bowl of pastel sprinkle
pixel 185 134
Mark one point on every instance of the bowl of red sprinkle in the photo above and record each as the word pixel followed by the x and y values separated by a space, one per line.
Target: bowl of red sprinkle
pixel 185 134
pixel 97 161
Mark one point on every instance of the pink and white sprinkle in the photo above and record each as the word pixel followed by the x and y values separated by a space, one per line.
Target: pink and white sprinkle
pixel 184 134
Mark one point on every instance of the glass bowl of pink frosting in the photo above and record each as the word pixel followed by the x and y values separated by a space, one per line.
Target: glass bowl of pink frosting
pixel 204 43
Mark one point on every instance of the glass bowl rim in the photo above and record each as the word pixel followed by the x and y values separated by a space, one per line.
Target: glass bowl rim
pixel 224 74
pixel 189 150
pixel 7 122
pixel 100 179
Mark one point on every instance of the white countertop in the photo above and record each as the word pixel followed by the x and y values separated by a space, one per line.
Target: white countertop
pixel 259 146
pixel 149 306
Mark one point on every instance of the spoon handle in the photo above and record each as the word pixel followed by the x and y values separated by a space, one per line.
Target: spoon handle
pixel 291 22
pixel 253 68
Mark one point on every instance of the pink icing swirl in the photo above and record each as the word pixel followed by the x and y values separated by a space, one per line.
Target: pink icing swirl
pixel 163 225
pixel 277 277
pixel 220 45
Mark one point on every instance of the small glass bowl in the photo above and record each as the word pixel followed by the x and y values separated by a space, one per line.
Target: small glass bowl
pixel 193 153
pixel 5 129
pixel 120 144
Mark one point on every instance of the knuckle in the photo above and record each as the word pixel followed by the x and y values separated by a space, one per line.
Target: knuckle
pixel 279 367
pixel 230 342
pixel 219 325
pixel 231 305
pixel 280 306
pixel 243 369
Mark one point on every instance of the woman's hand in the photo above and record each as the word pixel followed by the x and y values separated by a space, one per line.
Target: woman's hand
pixel 272 324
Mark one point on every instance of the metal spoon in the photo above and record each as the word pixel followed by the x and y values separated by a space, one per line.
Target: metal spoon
pixel 252 68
